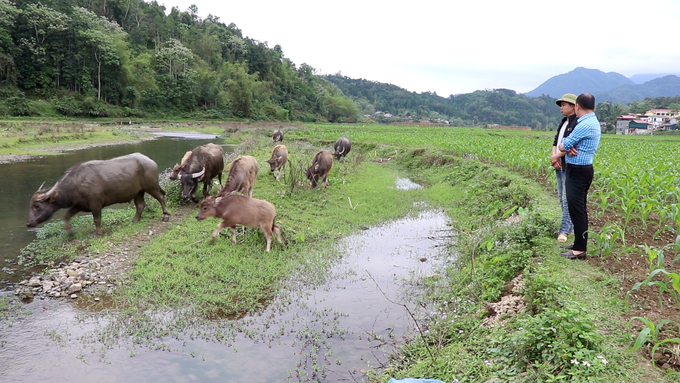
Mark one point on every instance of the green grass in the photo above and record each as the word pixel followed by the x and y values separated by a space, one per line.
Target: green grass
pixel 182 267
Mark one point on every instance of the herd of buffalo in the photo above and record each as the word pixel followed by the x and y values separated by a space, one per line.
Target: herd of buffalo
pixel 93 185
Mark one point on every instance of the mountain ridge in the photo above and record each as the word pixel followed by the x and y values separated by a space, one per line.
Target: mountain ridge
pixel 610 86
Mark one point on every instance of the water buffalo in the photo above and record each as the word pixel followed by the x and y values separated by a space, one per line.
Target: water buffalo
pixel 321 166
pixel 278 160
pixel 205 163
pixel 242 176
pixel 342 147
pixel 179 168
pixel 234 209
pixel 93 185
pixel 277 136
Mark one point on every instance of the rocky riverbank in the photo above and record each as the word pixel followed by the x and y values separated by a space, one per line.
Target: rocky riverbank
pixel 69 280
pixel 96 274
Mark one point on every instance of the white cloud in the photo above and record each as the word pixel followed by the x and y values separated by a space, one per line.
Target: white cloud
pixel 451 48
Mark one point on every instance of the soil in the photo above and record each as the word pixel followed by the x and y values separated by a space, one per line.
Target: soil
pixel 630 267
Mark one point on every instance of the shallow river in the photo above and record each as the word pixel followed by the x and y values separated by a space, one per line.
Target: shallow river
pixel 329 333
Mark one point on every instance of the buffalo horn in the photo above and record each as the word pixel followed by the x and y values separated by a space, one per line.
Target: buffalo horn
pixel 199 174
pixel 44 196
pixel 49 193
pixel 41 185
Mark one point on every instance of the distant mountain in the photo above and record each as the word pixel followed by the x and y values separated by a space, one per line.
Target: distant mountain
pixel 667 86
pixel 643 78
pixel 498 106
pixel 580 80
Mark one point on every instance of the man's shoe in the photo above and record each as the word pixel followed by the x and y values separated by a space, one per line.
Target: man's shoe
pixel 570 255
pixel 568 247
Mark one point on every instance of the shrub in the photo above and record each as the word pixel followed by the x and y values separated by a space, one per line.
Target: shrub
pixel 67 106
pixel 18 106
pixel 562 342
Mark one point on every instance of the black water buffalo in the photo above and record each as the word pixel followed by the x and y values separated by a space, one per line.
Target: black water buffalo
pixel 342 147
pixel 242 176
pixel 278 160
pixel 321 166
pixel 206 162
pixel 277 136
pixel 93 185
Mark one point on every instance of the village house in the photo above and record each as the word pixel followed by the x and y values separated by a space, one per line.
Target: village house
pixel 652 120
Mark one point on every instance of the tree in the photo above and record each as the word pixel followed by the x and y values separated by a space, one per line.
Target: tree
pixel 8 14
pixel 173 58
pixel 98 35
pixel 39 24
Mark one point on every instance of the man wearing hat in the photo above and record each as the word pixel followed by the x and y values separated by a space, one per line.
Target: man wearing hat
pixel 586 135
pixel 567 104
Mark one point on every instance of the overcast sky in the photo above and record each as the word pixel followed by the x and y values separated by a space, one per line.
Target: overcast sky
pixel 452 47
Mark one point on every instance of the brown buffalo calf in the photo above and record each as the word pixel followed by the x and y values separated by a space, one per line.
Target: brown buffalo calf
pixel 242 176
pixel 179 168
pixel 321 166
pixel 278 160
pixel 236 209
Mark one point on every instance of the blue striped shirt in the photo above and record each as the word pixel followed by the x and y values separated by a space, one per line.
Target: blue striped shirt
pixel 586 135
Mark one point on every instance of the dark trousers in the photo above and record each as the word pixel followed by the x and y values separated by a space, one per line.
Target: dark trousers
pixel 579 178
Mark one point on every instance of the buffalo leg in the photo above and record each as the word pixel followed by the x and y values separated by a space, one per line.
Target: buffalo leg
pixel 67 218
pixel 97 216
pixel 277 230
pixel 216 232
pixel 233 234
pixel 140 205
pixel 207 188
pixel 267 230
pixel 159 195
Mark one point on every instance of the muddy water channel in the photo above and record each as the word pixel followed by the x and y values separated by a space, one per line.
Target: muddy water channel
pixel 326 328
pixel 22 179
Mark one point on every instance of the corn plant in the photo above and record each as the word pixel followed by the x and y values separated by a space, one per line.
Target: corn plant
pixel 672 285
pixel 606 239
pixel 654 256
pixel 650 333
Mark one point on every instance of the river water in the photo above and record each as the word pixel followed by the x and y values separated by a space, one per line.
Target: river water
pixel 22 179
pixel 330 333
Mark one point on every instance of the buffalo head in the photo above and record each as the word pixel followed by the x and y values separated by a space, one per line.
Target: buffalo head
pixel 190 182
pixel 42 206
pixel 273 162
pixel 207 208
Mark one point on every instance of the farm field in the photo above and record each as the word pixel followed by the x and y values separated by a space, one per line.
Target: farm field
pixel 497 188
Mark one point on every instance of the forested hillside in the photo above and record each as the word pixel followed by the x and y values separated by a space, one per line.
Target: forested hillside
pixel 497 106
pixel 128 58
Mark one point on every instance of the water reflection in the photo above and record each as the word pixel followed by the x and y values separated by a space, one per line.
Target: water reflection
pixel 406 184
pixel 22 179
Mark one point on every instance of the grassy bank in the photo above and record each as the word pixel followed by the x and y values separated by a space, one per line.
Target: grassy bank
pixel 564 322
pixel 20 137
pixel 568 324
